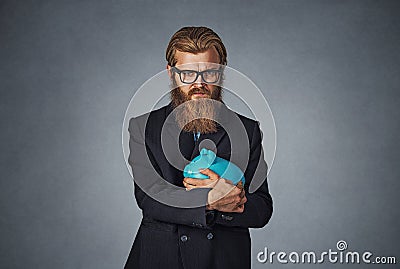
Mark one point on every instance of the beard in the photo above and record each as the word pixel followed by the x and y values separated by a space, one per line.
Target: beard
pixel 196 115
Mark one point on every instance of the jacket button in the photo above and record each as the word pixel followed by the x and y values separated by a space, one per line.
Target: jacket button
pixel 184 238
pixel 210 236
pixel 226 217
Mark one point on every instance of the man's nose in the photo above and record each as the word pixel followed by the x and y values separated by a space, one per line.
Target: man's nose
pixel 199 80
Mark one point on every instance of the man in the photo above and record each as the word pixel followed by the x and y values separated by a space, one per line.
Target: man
pixel 195 223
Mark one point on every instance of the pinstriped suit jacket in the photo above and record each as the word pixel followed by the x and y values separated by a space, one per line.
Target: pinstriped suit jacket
pixel 174 237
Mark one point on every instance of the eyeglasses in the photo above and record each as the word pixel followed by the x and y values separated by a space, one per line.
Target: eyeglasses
pixel 190 76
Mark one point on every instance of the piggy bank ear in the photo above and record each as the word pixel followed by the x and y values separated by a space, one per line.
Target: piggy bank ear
pixel 208 155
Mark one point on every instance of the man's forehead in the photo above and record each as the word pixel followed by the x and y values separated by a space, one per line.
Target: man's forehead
pixel 198 66
pixel 208 59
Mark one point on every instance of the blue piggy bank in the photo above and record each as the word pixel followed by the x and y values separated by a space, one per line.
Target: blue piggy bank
pixel 222 167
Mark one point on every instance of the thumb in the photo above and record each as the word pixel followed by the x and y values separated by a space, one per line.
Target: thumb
pixel 211 174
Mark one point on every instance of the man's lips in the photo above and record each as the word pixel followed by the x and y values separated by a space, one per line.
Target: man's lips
pixel 199 92
pixel 199 95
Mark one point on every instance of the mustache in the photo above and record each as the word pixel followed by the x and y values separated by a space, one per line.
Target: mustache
pixel 200 90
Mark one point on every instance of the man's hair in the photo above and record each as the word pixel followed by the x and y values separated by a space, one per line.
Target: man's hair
pixel 195 40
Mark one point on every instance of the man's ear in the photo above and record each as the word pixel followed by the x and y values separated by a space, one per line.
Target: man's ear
pixel 169 71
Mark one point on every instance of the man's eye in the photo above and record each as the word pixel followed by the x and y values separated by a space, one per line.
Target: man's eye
pixel 189 73
pixel 210 73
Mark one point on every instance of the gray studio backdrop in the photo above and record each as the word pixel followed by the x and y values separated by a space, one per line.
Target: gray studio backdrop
pixel 329 70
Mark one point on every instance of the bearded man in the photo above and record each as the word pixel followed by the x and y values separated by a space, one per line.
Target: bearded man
pixel 195 223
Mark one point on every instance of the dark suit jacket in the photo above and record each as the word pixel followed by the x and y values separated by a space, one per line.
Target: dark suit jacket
pixel 176 237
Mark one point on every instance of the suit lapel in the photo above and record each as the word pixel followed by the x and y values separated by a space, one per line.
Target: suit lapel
pixel 186 145
pixel 178 144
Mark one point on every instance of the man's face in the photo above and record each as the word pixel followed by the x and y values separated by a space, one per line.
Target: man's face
pixel 196 112
pixel 208 60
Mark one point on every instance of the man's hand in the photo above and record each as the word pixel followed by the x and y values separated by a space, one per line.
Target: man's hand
pixel 191 183
pixel 224 196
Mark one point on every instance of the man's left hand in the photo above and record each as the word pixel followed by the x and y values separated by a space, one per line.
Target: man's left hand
pixel 192 183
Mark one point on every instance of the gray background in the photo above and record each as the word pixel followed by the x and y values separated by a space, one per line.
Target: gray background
pixel 68 69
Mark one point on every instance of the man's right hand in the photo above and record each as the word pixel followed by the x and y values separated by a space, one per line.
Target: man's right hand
pixel 226 197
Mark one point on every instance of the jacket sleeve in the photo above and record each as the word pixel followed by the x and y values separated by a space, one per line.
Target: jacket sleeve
pixel 147 177
pixel 258 208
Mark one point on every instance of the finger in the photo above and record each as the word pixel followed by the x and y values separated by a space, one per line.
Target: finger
pixel 230 196
pixel 235 192
pixel 239 200
pixel 242 194
pixel 208 181
pixel 211 174
pixel 239 209
pixel 229 208
pixel 229 200
pixel 198 182
pixel 242 201
pixel 192 181
pixel 187 186
pixel 228 182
